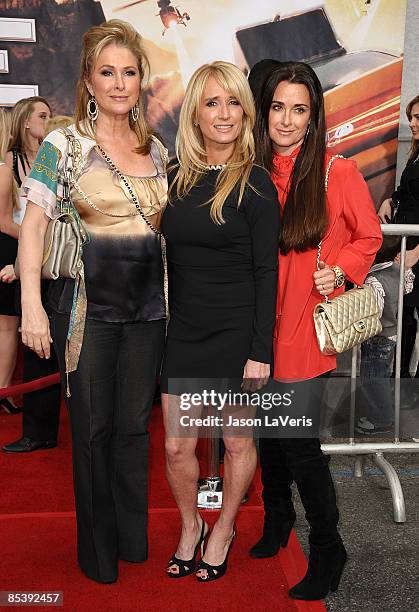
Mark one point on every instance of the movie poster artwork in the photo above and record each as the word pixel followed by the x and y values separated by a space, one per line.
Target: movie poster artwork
pixel 355 46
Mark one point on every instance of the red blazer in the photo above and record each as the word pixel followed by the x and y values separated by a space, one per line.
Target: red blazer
pixel 352 239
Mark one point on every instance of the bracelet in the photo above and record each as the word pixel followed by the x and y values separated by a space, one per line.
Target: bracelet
pixel 339 276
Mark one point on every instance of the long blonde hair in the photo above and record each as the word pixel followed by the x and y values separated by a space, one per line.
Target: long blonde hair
pixel 113 32
pixel 21 112
pixel 190 148
pixel 5 123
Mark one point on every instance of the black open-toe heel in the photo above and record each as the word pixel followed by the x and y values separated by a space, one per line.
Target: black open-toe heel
pixel 188 567
pixel 9 407
pixel 215 571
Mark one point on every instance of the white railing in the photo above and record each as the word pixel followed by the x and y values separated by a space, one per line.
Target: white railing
pixel 377 449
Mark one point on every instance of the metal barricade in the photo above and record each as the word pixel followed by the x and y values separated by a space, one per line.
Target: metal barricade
pixel 377 449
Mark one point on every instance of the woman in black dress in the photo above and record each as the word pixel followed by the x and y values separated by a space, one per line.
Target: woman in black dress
pixel 403 207
pixel 221 231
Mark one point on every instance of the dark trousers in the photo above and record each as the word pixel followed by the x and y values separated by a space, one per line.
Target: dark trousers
pixel 111 398
pixel 376 397
pixel 41 409
pixel 301 460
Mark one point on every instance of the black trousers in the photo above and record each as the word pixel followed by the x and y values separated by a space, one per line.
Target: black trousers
pixel 300 460
pixel 41 409
pixel 111 398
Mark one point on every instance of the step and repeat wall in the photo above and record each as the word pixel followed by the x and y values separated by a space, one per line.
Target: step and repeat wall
pixel 355 46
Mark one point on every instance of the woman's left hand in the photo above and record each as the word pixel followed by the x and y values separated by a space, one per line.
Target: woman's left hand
pixel 255 375
pixel 7 274
pixel 324 279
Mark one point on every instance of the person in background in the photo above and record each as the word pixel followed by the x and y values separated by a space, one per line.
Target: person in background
pixel 376 401
pixel 41 409
pixel 29 119
pixel 108 329
pixel 9 232
pixel 290 136
pixel 403 207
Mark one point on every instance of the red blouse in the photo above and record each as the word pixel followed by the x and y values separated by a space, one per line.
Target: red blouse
pixel 352 239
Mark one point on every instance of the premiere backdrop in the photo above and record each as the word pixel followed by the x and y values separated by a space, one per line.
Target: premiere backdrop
pixel 355 46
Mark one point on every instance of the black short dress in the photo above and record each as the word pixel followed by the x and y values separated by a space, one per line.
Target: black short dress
pixel 222 280
pixel 8 252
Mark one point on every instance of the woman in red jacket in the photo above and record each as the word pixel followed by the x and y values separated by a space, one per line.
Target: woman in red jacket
pixel 291 144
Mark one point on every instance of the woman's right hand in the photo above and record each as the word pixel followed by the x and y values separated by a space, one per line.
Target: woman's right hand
pixel 35 331
pixel 385 212
pixel 7 274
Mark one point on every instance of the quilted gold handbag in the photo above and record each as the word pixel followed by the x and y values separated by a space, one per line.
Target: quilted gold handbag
pixel 347 319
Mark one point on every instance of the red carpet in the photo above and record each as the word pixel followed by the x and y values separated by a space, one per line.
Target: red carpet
pixel 37 542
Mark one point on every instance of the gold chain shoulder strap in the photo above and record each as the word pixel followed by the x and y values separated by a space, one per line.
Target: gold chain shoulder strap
pixel 130 188
pixel 326 186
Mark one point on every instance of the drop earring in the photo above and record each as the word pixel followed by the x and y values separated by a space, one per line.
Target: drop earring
pixel 92 110
pixel 135 112
pixel 307 131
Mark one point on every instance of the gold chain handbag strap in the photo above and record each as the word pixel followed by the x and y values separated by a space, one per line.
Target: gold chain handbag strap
pixel 326 186
pixel 131 191
pixel 66 204
pixel 96 208
pixel 68 171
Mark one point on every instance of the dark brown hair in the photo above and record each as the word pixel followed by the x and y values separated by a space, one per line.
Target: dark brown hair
pixel 414 149
pixel 304 217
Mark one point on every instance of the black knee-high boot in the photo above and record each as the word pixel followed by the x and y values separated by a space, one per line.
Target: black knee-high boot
pixel 327 558
pixel 277 499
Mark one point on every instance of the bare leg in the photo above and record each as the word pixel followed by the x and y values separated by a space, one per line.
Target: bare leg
pixel 8 348
pixel 182 470
pixel 239 468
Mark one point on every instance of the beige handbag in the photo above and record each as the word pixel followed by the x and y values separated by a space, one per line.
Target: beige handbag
pixel 347 319
pixel 62 247
pixel 65 234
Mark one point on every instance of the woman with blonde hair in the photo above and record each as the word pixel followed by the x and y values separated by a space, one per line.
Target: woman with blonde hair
pixel 107 327
pixel 221 232
pixel 41 408
pixel 29 118
pixel 9 232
